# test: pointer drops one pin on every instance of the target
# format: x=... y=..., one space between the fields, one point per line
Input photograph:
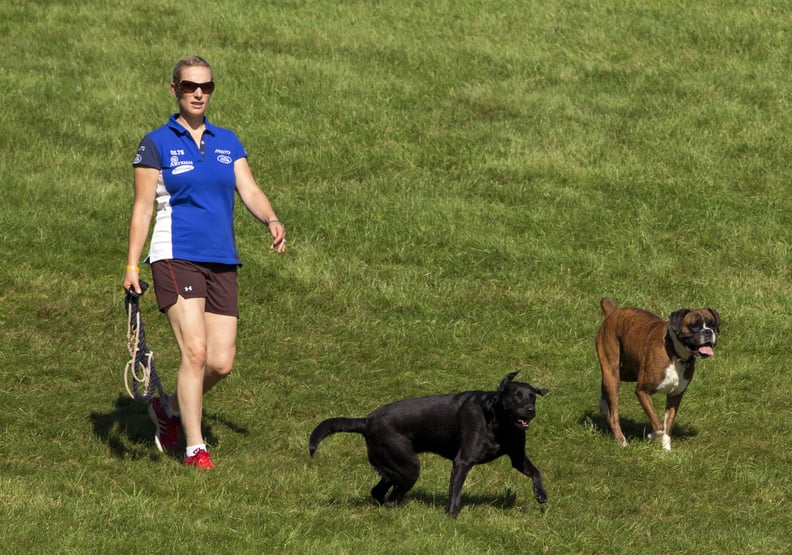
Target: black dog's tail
x=332 y=426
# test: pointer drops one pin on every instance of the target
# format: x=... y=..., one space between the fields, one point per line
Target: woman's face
x=193 y=104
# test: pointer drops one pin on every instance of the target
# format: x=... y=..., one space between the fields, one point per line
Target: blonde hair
x=189 y=61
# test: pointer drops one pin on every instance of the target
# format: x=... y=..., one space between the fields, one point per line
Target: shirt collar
x=179 y=128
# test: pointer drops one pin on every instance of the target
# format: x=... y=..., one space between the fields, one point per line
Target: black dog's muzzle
x=523 y=421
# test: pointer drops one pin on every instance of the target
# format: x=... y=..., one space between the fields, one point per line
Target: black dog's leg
x=379 y=491
x=393 y=457
x=523 y=464
x=404 y=478
x=458 y=474
x=397 y=494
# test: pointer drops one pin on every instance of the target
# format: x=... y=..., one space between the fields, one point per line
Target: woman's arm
x=142 y=209
x=258 y=204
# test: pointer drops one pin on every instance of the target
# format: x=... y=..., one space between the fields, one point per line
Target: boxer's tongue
x=706 y=350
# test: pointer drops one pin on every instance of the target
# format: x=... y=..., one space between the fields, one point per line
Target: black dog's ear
x=507 y=380
x=495 y=397
x=675 y=320
x=541 y=392
x=717 y=318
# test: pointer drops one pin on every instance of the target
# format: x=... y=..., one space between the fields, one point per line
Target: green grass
x=462 y=182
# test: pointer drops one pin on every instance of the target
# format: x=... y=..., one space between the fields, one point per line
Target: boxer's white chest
x=674 y=381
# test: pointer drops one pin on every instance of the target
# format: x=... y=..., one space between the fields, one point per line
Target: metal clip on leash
x=140 y=376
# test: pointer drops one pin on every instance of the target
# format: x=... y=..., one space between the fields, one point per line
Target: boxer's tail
x=607 y=305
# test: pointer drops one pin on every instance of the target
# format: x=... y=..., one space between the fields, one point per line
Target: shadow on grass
x=129 y=432
x=632 y=430
x=506 y=501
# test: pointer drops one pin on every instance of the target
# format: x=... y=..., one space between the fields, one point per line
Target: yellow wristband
x=136 y=268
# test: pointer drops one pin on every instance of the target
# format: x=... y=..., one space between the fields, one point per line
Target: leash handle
x=131 y=294
x=140 y=377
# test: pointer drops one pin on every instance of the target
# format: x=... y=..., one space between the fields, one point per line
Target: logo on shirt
x=223 y=156
x=139 y=156
x=179 y=166
x=182 y=169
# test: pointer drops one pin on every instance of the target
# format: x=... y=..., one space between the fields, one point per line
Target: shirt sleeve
x=148 y=155
x=238 y=149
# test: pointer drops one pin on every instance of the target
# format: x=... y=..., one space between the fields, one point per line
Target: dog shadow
x=632 y=429
x=128 y=431
x=504 y=502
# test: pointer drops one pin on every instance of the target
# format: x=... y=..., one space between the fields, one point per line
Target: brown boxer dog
x=634 y=345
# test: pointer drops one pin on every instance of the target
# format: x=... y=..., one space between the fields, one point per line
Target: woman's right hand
x=132 y=279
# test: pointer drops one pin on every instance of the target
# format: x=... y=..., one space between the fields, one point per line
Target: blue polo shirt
x=195 y=192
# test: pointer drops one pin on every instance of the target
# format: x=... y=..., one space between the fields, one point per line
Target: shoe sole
x=153 y=416
x=199 y=466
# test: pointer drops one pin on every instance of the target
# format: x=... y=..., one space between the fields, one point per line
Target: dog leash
x=140 y=376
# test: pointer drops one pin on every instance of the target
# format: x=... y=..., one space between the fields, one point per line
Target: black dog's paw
x=540 y=495
x=451 y=511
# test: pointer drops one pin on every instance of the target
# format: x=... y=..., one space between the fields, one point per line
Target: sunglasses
x=188 y=87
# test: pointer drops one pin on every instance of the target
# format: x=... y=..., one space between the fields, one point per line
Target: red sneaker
x=166 y=436
x=199 y=460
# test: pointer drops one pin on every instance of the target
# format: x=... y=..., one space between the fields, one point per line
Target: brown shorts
x=217 y=283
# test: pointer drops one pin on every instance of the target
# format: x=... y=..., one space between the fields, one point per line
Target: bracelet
x=136 y=268
x=269 y=223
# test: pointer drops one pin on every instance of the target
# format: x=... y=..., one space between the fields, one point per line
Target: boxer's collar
x=679 y=347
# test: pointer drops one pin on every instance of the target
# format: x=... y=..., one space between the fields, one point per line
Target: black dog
x=469 y=428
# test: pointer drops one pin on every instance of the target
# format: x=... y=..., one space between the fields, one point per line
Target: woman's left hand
x=278 y=232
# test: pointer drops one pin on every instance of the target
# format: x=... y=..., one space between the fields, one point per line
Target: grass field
x=462 y=182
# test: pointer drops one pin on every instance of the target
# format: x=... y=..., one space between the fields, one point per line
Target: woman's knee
x=194 y=354
x=220 y=364
x=220 y=371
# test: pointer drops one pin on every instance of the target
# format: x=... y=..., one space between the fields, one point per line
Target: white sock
x=193 y=449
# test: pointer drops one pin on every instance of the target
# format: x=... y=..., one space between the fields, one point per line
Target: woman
x=191 y=170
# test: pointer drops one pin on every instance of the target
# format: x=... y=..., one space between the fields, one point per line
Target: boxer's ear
x=717 y=318
x=675 y=320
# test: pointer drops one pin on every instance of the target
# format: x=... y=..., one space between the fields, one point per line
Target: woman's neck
x=192 y=124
